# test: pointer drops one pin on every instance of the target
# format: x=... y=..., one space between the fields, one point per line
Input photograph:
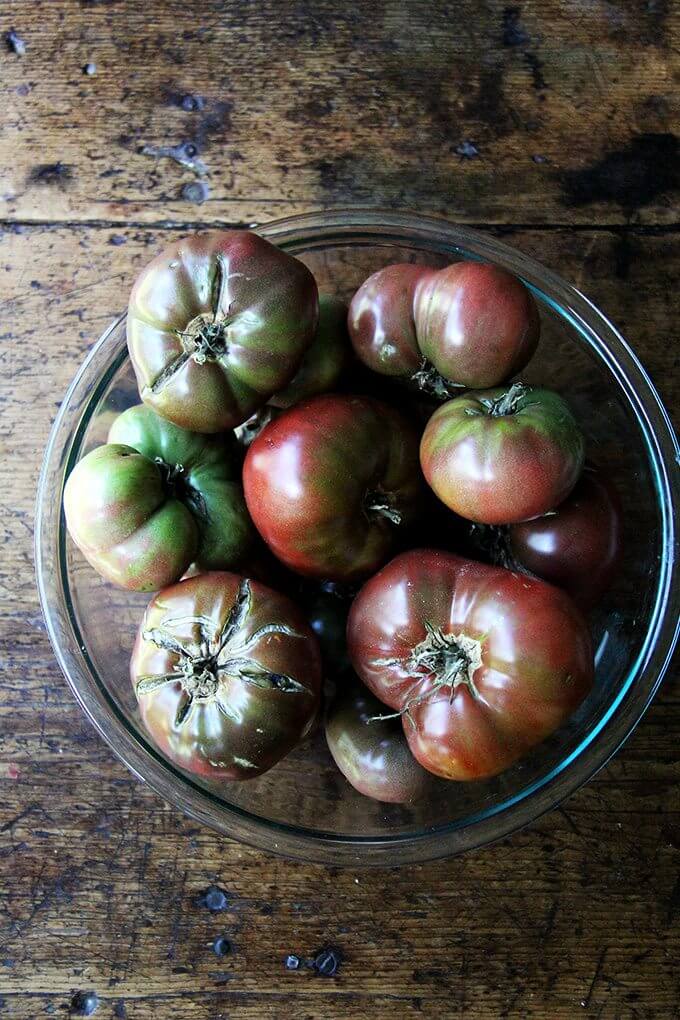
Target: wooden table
x=552 y=124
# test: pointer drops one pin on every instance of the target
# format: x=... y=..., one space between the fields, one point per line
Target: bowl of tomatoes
x=356 y=536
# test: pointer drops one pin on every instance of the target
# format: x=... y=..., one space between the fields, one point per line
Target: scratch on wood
x=570 y=821
x=596 y=977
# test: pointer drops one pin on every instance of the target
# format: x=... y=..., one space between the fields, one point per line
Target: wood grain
x=101 y=884
x=558 y=112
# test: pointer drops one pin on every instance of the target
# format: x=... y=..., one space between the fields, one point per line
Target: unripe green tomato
x=155 y=499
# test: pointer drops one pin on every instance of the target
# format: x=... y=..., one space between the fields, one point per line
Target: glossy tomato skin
x=380 y=321
x=202 y=472
x=325 y=361
x=527 y=659
x=578 y=545
x=332 y=483
x=476 y=323
x=155 y=499
x=119 y=516
x=504 y=455
x=467 y=325
x=372 y=753
x=217 y=323
x=227 y=675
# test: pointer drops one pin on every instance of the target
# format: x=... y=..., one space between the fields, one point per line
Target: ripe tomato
x=155 y=499
x=332 y=483
x=325 y=360
x=227 y=675
x=501 y=456
x=372 y=752
x=217 y=323
x=470 y=324
x=327 y=614
x=481 y=662
x=578 y=545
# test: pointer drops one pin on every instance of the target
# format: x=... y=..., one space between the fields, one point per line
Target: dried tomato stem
x=378 y=504
x=448 y=660
x=507 y=404
x=201 y=663
x=430 y=381
x=205 y=337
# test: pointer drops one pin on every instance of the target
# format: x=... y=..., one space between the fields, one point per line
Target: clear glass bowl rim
x=375 y=227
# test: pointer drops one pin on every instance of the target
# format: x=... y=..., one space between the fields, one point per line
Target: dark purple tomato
x=227 y=674
x=217 y=324
x=470 y=324
x=372 y=752
x=381 y=323
x=327 y=615
x=578 y=545
x=332 y=484
x=501 y=456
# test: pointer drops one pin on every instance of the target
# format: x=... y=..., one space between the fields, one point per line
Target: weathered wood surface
x=101 y=883
x=491 y=113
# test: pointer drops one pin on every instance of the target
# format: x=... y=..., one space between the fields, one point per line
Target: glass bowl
x=304 y=808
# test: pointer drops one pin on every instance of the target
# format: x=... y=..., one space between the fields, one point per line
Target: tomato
x=470 y=324
x=325 y=361
x=504 y=455
x=156 y=498
x=218 y=323
x=332 y=483
x=227 y=674
x=327 y=615
x=371 y=751
x=482 y=663
x=380 y=321
x=578 y=545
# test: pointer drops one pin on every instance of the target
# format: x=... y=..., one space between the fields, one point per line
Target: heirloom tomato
x=155 y=499
x=505 y=455
x=327 y=615
x=481 y=663
x=470 y=324
x=227 y=674
x=332 y=483
x=370 y=751
x=325 y=360
x=217 y=324
x=577 y=546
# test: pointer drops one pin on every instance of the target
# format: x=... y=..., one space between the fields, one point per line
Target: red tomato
x=470 y=324
x=482 y=663
x=578 y=545
x=501 y=456
x=332 y=483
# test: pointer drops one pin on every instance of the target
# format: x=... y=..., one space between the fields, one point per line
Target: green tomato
x=217 y=324
x=155 y=499
x=325 y=361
